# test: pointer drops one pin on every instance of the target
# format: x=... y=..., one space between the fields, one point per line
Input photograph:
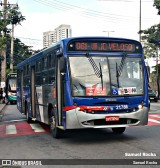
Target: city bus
x=10 y=88
x=85 y=82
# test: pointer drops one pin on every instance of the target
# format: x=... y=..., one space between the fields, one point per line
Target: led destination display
x=103 y=46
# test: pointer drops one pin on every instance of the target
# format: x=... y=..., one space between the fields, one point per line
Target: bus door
x=60 y=87
x=22 y=99
x=33 y=91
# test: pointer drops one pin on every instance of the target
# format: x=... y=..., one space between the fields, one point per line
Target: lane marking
x=37 y=127
x=10 y=121
x=11 y=129
x=23 y=128
x=154 y=115
x=152 y=120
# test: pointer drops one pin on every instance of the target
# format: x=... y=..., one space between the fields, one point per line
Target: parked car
x=152 y=95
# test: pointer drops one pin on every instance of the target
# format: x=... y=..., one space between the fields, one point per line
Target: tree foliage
x=15 y=16
x=12 y=16
x=21 y=51
x=157 y=5
x=152 y=35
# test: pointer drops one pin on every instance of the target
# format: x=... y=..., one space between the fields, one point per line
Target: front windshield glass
x=12 y=84
x=106 y=76
x=126 y=75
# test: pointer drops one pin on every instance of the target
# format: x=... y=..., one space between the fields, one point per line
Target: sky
x=116 y=18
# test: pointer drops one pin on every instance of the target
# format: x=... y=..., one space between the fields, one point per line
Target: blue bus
x=10 y=88
x=85 y=82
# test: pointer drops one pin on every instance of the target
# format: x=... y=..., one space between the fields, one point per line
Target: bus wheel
x=119 y=130
x=56 y=132
x=29 y=120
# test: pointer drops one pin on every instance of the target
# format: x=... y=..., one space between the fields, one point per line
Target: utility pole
x=3 y=63
x=140 y=19
x=12 y=47
x=157 y=59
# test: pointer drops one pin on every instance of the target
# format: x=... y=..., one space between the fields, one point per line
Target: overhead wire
x=89 y=13
x=56 y=4
x=84 y=11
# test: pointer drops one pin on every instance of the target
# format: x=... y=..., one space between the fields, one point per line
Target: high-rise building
x=61 y=32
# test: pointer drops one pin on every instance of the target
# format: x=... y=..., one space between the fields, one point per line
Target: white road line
x=152 y=120
x=154 y=115
x=37 y=128
x=11 y=129
x=13 y=121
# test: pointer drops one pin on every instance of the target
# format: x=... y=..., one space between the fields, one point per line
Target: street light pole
x=3 y=62
x=108 y=32
x=140 y=19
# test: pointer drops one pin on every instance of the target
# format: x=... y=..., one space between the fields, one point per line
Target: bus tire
x=29 y=120
x=118 y=130
x=55 y=131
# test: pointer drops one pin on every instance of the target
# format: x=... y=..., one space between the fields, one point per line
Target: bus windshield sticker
x=95 y=90
x=127 y=90
x=114 y=91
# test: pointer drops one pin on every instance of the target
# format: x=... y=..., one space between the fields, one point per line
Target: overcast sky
x=86 y=17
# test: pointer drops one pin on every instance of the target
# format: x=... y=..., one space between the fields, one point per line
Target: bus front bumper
x=76 y=119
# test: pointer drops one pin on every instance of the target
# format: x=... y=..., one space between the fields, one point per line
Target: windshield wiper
x=117 y=74
x=101 y=75
x=120 y=68
x=98 y=71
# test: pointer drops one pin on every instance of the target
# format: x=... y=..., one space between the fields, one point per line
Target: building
x=61 y=32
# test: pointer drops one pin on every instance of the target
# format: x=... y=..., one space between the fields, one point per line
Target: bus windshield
x=106 y=76
x=12 y=84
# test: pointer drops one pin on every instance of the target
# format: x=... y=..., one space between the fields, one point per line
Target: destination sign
x=103 y=46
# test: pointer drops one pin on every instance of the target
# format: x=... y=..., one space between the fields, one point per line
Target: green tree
x=21 y=52
x=10 y=16
x=152 y=44
x=157 y=5
x=15 y=16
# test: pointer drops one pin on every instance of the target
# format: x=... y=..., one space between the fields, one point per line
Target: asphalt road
x=81 y=144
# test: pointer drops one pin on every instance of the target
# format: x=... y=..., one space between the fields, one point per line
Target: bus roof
x=65 y=41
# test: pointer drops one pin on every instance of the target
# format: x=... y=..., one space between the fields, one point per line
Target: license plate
x=112 y=118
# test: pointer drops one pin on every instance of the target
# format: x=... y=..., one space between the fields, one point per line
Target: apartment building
x=61 y=32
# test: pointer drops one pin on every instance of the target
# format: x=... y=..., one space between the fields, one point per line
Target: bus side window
x=53 y=60
x=38 y=66
x=45 y=77
x=49 y=61
x=38 y=79
x=45 y=63
x=51 y=76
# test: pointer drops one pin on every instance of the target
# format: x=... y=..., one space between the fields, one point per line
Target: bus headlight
x=140 y=106
x=11 y=94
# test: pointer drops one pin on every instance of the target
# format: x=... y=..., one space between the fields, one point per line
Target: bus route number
x=81 y=46
x=121 y=107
